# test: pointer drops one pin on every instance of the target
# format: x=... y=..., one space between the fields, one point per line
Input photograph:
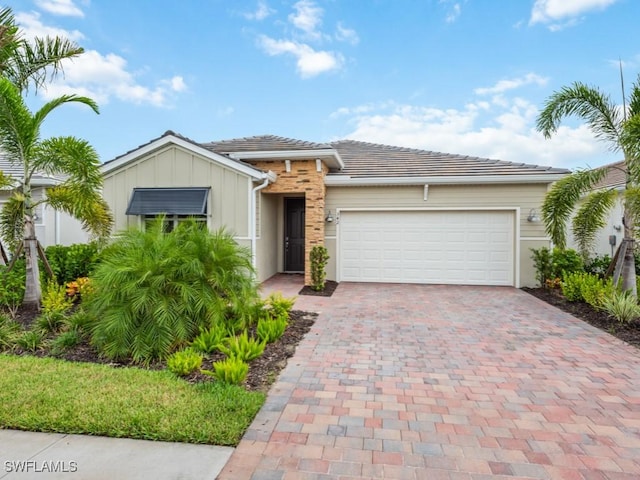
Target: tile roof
x=616 y=176
x=260 y=143
x=363 y=159
x=16 y=171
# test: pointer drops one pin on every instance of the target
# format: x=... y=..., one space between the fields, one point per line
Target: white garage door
x=451 y=247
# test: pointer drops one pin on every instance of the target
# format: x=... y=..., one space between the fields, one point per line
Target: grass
x=50 y=395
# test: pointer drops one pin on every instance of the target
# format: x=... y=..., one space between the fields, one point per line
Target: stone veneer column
x=302 y=179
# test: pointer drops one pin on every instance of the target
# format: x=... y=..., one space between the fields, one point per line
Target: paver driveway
x=445 y=382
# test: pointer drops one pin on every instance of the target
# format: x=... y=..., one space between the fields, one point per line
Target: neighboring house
x=610 y=236
x=386 y=214
x=52 y=226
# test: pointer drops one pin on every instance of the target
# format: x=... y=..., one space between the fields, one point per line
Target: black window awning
x=168 y=201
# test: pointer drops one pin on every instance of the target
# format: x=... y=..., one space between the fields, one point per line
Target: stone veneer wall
x=306 y=180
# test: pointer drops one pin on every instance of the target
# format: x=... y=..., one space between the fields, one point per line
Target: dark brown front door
x=294 y=234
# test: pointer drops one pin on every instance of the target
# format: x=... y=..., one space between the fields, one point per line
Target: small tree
x=73 y=159
x=319 y=257
x=620 y=128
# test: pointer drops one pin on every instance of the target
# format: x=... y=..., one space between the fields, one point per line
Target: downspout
x=57 y=226
x=254 y=233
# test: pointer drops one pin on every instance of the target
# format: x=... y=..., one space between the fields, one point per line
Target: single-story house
x=385 y=214
x=53 y=227
x=610 y=236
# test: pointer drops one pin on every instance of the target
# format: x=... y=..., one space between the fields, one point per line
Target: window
x=176 y=204
x=171 y=221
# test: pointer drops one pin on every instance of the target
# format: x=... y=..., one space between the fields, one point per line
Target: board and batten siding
x=176 y=167
x=500 y=196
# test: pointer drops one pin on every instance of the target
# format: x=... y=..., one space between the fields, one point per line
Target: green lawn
x=50 y=395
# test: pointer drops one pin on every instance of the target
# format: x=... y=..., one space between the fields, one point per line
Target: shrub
x=622 y=306
x=31 y=340
x=73 y=261
x=78 y=287
x=209 y=340
x=319 y=257
x=12 y=287
x=552 y=264
x=242 y=347
x=184 y=362
x=276 y=306
x=572 y=286
x=231 y=371
x=153 y=291
x=595 y=290
x=598 y=265
x=54 y=299
x=271 y=330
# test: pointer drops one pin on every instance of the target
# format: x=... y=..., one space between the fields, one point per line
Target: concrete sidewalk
x=29 y=455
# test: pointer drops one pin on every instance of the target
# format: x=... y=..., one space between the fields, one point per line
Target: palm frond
x=561 y=199
x=18 y=134
x=634 y=99
x=6 y=181
x=587 y=103
x=12 y=220
x=591 y=217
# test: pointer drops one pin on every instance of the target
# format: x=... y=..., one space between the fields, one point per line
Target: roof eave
x=171 y=139
x=330 y=156
x=348 y=181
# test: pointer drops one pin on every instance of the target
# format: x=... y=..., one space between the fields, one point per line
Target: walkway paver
x=445 y=382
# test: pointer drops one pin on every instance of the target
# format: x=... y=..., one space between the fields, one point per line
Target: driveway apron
x=445 y=382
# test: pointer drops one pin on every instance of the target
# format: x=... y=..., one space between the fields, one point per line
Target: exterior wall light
x=533 y=216
x=329 y=217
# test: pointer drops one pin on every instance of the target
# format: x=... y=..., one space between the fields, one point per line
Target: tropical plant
x=78 y=194
x=25 y=61
x=552 y=264
x=65 y=341
x=231 y=370
x=154 y=291
x=9 y=331
x=270 y=330
x=620 y=129
x=243 y=347
x=209 y=340
x=184 y=362
x=622 y=306
x=31 y=340
x=12 y=287
x=70 y=262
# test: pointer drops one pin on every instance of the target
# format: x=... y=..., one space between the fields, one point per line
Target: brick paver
x=445 y=382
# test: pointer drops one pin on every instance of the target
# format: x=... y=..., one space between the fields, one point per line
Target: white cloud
x=504 y=131
x=261 y=12
x=453 y=15
x=309 y=62
x=226 y=111
x=32 y=27
x=344 y=34
x=510 y=84
x=559 y=14
x=103 y=77
x=307 y=17
x=60 y=7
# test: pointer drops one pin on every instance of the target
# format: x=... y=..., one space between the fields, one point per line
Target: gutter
x=348 y=181
x=269 y=177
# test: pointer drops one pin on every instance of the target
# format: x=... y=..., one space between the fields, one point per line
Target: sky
x=457 y=76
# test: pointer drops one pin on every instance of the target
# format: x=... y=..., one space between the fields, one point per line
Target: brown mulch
x=329 y=287
x=629 y=332
x=262 y=371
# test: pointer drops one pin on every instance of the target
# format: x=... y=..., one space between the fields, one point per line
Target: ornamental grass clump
x=153 y=291
x=622 y=306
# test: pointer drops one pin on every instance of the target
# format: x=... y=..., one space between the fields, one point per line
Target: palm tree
x=72 y=160
x=23 y=61
x=620 y=129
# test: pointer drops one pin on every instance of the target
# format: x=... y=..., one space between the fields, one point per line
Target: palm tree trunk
x=33 y=291
x=629 y=262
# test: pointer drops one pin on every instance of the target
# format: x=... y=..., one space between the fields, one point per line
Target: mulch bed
x=263 y=371
x=629 y=332
x=329 y=287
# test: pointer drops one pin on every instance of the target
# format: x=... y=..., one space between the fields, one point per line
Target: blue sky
x=457 y=76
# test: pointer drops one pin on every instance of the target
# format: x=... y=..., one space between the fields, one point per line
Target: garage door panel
x=454 y=247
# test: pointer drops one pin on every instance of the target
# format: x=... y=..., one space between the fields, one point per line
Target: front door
x=294 y=234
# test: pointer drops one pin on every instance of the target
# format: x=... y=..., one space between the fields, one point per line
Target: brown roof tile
x=259 y=143
x=373 y=160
